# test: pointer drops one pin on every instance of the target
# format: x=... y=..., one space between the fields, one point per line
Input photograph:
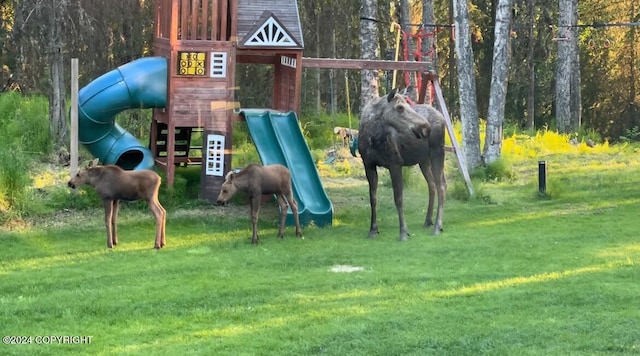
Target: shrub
x=498 y=170
x=630 y=135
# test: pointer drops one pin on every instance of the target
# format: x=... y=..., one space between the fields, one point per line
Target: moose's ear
x=93 y=163
x=229 y=176
x=392 y=94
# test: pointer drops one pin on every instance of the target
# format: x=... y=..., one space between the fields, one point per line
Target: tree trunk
x=317 y=71
x=563 y=70
x=332 y=75
x=18 y=38
x=58 y=122
x=429 y=46
x=369 y=50
x=576 y=97
x=405 y=24
x=633 y=109
x=498 y=90
x=531 y=95
x=452 y=62
x=467 y=86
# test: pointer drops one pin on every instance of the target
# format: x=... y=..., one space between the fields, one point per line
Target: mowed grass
x=514 y=273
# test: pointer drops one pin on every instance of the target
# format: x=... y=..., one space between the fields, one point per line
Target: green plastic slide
x=278 y=139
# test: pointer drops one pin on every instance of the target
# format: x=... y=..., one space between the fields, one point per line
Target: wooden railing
x=200 y=20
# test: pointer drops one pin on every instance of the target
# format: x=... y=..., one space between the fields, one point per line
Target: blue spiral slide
x=143 y=84
x=138 y=84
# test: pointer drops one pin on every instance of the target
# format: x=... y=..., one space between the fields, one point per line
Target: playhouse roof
x=269 y=23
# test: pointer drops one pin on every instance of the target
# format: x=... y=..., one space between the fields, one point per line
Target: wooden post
x=74 y=117
x=462 y=165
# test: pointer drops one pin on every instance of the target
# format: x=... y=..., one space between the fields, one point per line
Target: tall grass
x=24 y=122
x=14 y=182
x=24 y=137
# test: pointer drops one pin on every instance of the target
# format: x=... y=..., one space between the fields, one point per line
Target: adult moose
x=113 y=184
x=256 y=180
x=393 y=135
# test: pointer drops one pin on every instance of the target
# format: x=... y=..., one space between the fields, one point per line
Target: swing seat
x=354 y=147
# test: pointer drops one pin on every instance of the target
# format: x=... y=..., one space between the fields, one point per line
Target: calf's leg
x=294 y=211
x=108 y=220
x=283 y=214
x=114 y=233
x=160 y=215
x=255 y=210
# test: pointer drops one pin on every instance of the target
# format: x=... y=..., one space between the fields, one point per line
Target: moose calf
x=113 y=184
x=256 y=180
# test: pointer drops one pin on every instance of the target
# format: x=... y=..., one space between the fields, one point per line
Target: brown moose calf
x=113 y=184
x=256 y=180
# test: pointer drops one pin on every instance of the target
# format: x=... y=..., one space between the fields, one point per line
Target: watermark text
x=45 y=339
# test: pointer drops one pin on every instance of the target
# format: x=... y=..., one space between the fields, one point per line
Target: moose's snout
x=71 y=185
x=221 y=202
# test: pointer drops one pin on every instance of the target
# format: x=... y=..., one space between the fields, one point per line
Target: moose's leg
x=425 y=168
x=294 y=211
x=283 y=213
x=255 y=210
x=108 y=222
x=163 y=237
x=396 y=181
x=372 y=177
x=440 y=182
x=114 y=219
x=160 y=215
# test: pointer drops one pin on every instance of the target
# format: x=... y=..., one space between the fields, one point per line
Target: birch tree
x=466 y=85
x=429 y=45
x=369 y=50
x=575 y=102
x=531 y=90
x=58 y=121
x=563 y=69
x=498 y=89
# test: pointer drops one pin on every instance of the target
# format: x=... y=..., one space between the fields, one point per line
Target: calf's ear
x=229 y=176
x=93 y=163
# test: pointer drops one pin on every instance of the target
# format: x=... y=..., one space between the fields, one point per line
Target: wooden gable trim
x=269 y=18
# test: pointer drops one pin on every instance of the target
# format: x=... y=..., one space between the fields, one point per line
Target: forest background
x=104 y=35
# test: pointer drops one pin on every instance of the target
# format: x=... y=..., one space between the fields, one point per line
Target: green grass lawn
x=513 y=273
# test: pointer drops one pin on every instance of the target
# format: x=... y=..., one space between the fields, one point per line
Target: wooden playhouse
x=202 y=41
